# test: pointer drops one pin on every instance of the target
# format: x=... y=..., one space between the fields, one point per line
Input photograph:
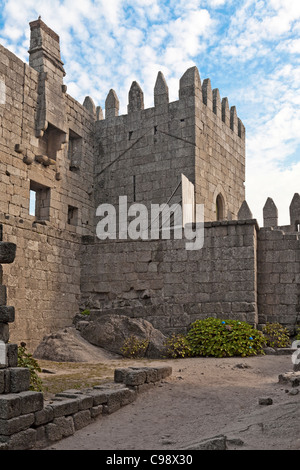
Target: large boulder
x=67 y=345
x=110 y=331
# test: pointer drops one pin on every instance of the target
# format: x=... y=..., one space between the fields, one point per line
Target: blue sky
x=250 y=50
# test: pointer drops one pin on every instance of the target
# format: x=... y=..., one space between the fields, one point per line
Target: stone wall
x=170 y=286
x=30 y=422
x=278 y=277
x=44 y=281
x=46 y=152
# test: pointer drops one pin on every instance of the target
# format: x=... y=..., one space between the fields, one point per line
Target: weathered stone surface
x=296 y=367
x=110 y=332
x=244 y=212
x=266 y=401
x=31 y=401
x=161 y=90
x=290 y=378
x=270 y=213
x=65 y=426
x=82 y=419
x=295 y=211
x=96 y=411
x=137 y=377
x=17 y=379
x=12 y=355
x=15 y=425
x=22 y=440
x=4 y=332
x=44 y=416
x=67 y=345
x=10 y=406
x=7 y=314
x=135 y=98
x=64 y=407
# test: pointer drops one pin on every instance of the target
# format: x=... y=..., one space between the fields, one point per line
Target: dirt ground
x=204 y=397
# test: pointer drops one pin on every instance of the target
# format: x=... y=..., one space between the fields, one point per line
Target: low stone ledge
x=133 y=376
x=64 y=406
x=28 y=422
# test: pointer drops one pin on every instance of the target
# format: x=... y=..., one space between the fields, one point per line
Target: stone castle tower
x=60 y=159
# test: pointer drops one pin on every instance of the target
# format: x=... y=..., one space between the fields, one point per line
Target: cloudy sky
x=250 y=49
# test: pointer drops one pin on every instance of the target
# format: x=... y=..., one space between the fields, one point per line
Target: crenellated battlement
x=270 y=214
x=190 y=86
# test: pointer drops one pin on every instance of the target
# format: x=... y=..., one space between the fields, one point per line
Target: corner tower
x=143 y=154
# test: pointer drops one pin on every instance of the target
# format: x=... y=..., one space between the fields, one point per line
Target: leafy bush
x=297 y=337
x=177 y=346
x=220 y=338
x=133 y=347
x=27 y=360
x=85 y=312
x=276 y=335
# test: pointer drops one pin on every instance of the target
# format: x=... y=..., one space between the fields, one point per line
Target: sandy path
x=203 y=398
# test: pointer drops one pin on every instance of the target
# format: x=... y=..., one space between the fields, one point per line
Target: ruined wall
x=170 y=286
x=53 y=160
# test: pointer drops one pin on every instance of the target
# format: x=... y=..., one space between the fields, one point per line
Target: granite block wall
x=278 y=266
x=170 y=286
x=46 y=186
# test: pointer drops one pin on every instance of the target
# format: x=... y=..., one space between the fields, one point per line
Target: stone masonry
x=27 y=420
x=59 y=160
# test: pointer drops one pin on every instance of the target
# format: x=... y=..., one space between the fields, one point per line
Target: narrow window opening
x=130 y=135
x=72 y=215
x=220 y=207
x=155 y=130
x=74 y=150
x=181 y=120
x=32 y=203
x=39 y=201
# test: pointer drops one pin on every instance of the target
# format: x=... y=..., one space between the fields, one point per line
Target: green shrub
x=27 y=360
x=85 y=312
x=177 y=346
x=133 y=347
x=276 y=335
x=224 y=338
x=297 y=337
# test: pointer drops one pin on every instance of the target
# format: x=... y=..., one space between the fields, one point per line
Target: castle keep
x=59 y=160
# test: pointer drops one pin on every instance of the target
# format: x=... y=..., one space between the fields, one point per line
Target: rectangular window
x=39 y=205
x=74 y=150
x=72 y=215
x=32 y=202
